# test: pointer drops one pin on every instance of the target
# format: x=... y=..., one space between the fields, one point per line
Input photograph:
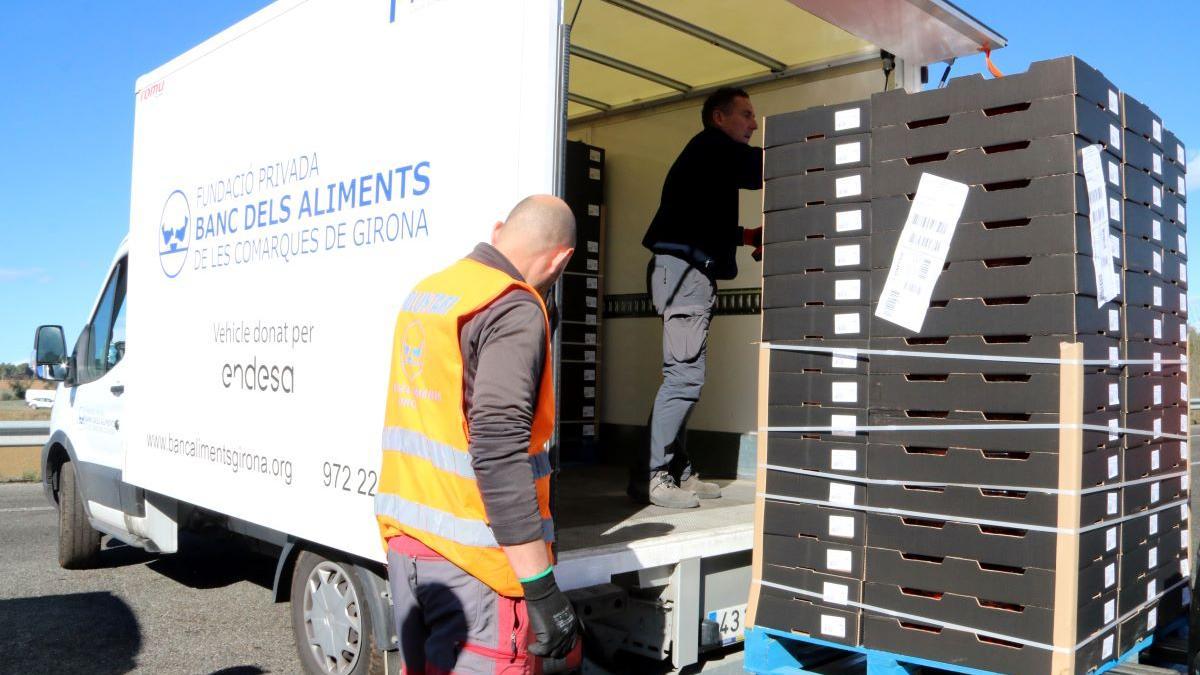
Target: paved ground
x=207 y=609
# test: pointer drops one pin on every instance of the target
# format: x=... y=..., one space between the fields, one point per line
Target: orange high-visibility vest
x=427 y=487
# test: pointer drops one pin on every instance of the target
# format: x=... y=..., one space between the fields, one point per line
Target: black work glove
x=551 y=618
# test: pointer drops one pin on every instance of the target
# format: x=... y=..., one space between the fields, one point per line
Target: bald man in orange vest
x=463 y=503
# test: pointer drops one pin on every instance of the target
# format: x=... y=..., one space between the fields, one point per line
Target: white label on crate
x=1183 y=539
x=1151 y=590
x=1156 y=130
x=1114 y=137
x=1111 y=503
x=1157 y=362
x=1156 y=261
x=1153 y=523
x=589 y=411
x=1114 y=357
x=1113 y=434
x=1157 y=293
x=850 y=118
x=1158 y=329
x=593 y=264
x=589 y=430
x=1181 y=186
x=848 y=186
x=593 y=247
x=590 y=356
x=1152 y=618
x=1183 y=423
x=1106 y=649
x=1180 y=156
x=1181 y=216
x=592 y=283
x=1155 y=492
x=1157 y=163
x=589 y=392
x=1114 y=245
x=1183 y=391
x=1182 y=244
x=589 y=375
x=1157 y=394
x=1183 y=338
x=594 y=155
x=590 y=319
x=843 y=460
x=1152 y=558
x=1183 y=569
x=1114 y=173
x=833 y=625
x=843 y=425
x=1155 y=462
x=844 y=358
x=846 y=323
x=1183 y=272
x=848 y=221
x=847 y=289
x=845 y=392
x=1099 y=212
x=848 y=254
x=921 y=251
x=1114 y=320
x=1110 y=611
x=1110 y=539
x=835 y=594
x=1183 y=446
x=1157 y=427
x=1182 y=301
x=594 y=173
x=1183 y=512
x=1114 y=210
x=590 y=301
x=841 y=494
x=1114 y=394
x=847 y=153
x=593 y=209
x=841 y=526
x=1110 y=574
x=1156 y=229
x=838 y=561
x=1114 y=102
x=589 y=338
x=1114 y=467
x=1156 y=195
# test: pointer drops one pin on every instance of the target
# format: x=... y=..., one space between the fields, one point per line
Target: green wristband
x=539 y=575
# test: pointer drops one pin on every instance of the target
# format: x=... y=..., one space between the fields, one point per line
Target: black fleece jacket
x=503 y=351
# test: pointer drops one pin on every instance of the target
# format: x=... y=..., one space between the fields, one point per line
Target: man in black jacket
x=694 y=237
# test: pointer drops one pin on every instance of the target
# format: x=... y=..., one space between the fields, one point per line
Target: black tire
x=78 y=541
x=339 y=575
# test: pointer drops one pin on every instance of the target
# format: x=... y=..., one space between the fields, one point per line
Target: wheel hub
x=331 y=618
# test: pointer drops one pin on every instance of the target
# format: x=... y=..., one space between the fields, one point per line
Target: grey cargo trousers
x=684 y=297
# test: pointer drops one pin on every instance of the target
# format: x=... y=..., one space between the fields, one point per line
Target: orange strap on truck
x=987 y=56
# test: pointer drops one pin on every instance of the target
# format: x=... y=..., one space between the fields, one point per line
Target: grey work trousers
x=684 y=297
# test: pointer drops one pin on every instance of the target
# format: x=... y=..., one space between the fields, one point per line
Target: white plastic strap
x=1019 y=426
x=1010 y=488
x=968 y=520
x=852 y=352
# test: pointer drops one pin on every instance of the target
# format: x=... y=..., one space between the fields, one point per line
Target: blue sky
x=66 y=121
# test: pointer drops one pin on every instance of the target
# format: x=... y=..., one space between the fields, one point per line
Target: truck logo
x=174 y=234
x=414 y=350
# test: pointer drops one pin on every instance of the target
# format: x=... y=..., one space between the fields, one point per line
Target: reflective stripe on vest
x=446 y=525
x=446 y=458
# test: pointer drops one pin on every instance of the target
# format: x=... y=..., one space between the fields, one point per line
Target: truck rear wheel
x=78 y=541
x=331 y=620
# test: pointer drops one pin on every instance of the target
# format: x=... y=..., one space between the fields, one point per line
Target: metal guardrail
x=20 y=434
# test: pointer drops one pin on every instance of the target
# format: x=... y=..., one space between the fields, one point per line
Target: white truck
x=294 y=175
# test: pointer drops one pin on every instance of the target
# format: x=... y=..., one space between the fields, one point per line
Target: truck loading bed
x=601 y=532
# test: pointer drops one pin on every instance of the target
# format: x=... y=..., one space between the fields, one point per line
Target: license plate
x=731 y=622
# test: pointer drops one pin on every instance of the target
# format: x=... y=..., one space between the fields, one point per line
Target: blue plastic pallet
x=772 y=652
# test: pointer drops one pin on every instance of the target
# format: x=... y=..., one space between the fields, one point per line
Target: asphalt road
x=206 y=610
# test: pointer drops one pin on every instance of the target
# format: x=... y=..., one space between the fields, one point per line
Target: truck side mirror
x=50 y=353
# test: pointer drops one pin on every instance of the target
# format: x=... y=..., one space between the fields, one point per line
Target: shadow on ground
x=95 y=633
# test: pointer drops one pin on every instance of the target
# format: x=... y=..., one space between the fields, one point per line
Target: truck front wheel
x=331 y=620
x=78 y=542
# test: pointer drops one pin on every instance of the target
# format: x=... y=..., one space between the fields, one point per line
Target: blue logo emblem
x=174 y=234
x=414 y=350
